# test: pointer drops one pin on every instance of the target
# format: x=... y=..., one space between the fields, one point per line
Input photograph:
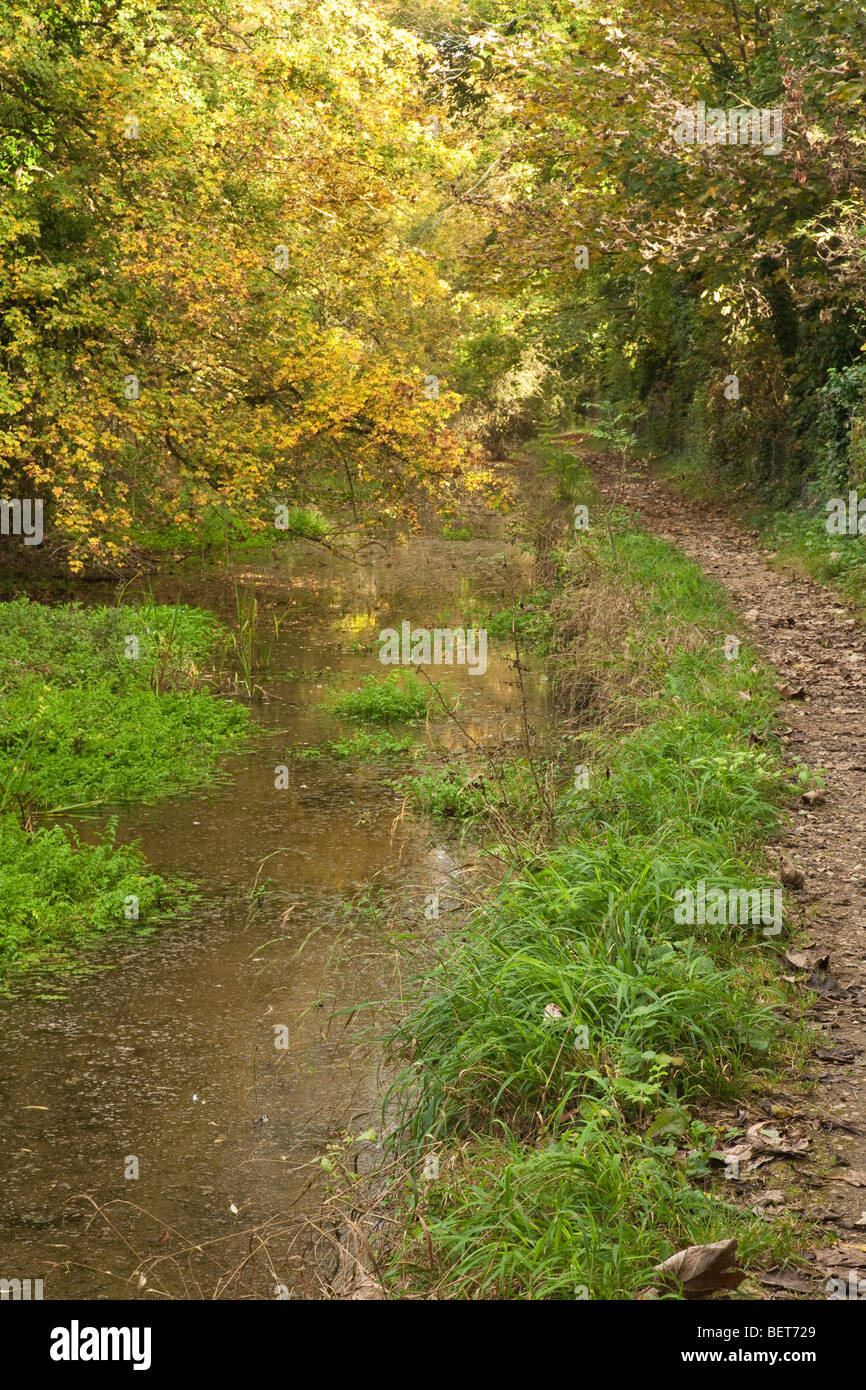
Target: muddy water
x=167 y=1053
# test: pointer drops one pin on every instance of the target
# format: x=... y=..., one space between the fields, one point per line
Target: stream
x=164 y=1049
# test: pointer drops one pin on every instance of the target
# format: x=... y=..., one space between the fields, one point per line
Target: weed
x=397 y=698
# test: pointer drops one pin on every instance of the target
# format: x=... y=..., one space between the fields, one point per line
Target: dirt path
x=811 y=638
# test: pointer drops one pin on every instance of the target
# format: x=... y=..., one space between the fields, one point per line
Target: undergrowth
x=98 y=706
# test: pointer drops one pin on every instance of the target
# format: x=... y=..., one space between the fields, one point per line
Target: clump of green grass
x=306 y=752
x=495 y=791
x=457 y=533
x=401 y=697
x=365 y=745
x=801 y=539
x=368 y=745
x=306 y=523
x=446 y=792
x=529 y=617
x=97 y=706
x=591 y=933
x=85 y=723
x=57 y=894
x=585 y=1216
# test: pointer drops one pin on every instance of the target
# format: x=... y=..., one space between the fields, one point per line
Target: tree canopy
x=325 y=251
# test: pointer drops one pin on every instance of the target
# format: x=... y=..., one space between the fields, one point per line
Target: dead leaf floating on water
x=701 y=1268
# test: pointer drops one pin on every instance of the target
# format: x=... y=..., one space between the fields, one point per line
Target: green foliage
x=447 y=793
x=219 y=204
x=586 y=1215
x=529 y=617
x=457 y=533
x=70 y=645
x=368 y=745
x=400 y=697
x=58 y=894
x=84 y=724
x=88 y=746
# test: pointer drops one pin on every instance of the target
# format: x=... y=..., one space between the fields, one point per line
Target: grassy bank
x=796 y=534
x=97 y=706
x=568 y=1065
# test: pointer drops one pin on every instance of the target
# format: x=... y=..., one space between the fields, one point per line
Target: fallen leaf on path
x=765 y=1137
x=787 y=1279
x=791 y=876
x=844 y=1125
x=773 y=1197
x=841 y=1257
x=791 y=692
x=811 y=958
x=814 y=798
x=742 y=1159
x=702 y=1268
x=855 y=1176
